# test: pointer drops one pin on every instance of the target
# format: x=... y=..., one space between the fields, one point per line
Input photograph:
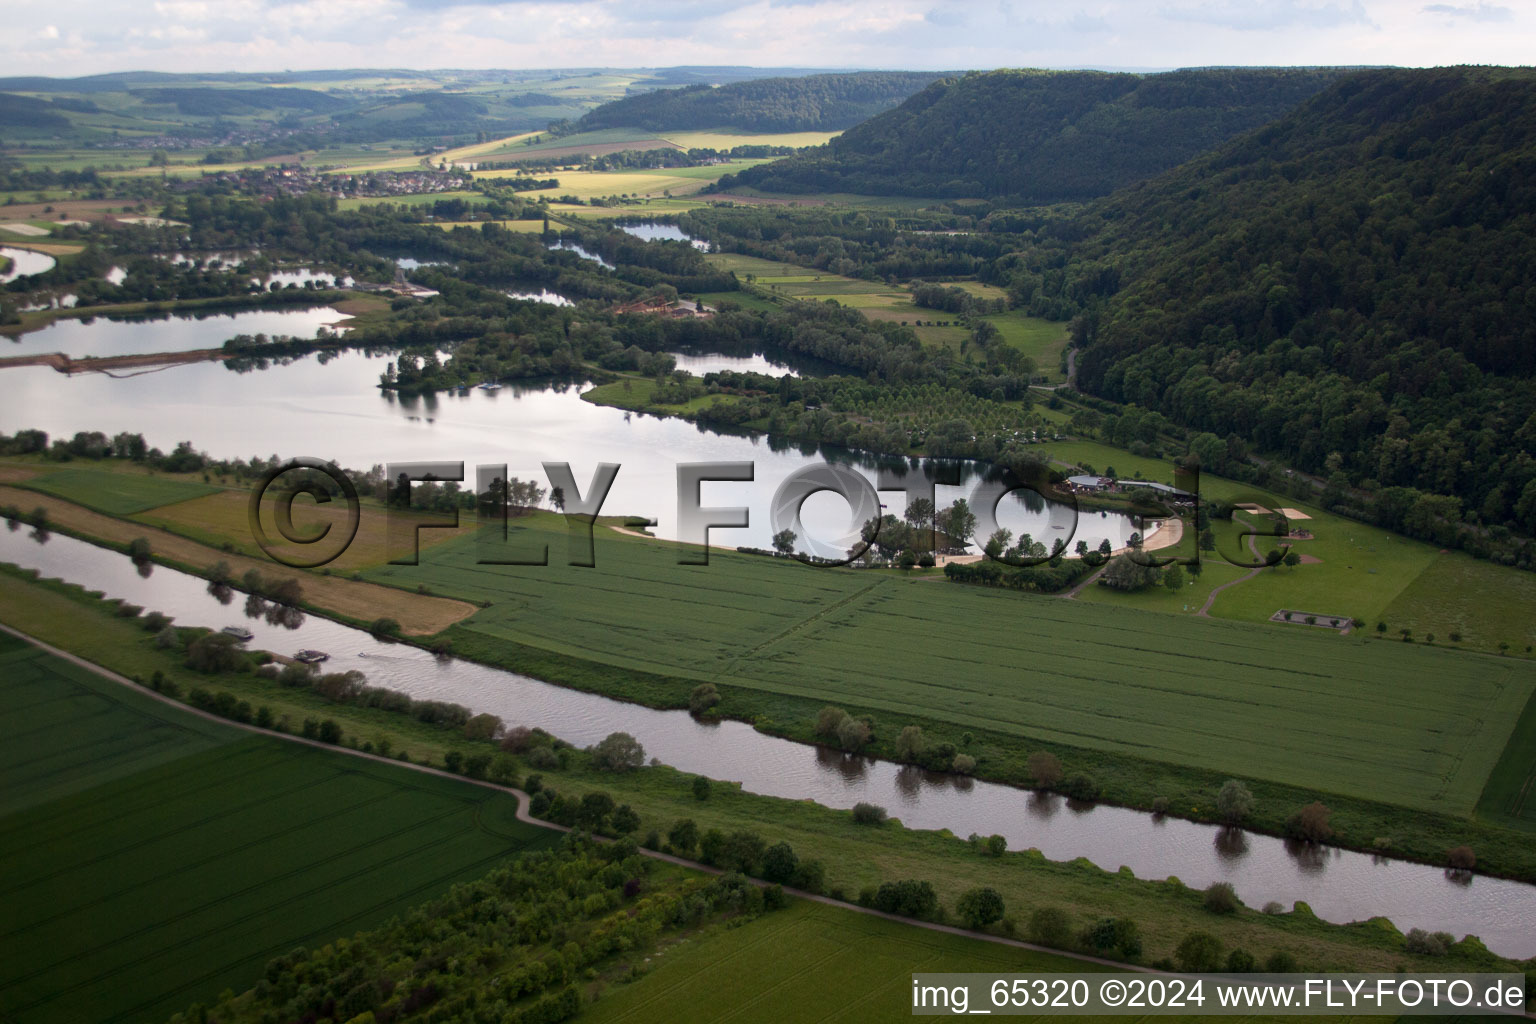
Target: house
x=1090 y=484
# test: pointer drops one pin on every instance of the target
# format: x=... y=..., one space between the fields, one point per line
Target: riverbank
x=854 y=856
x=1186 y=792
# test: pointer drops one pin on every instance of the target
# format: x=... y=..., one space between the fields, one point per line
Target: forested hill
x=1042 y=136
x=1352 y=288
x=810 y=103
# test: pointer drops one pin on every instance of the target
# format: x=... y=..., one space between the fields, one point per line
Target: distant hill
x=803 y=103
x=1352 y=288
x=1042 y=136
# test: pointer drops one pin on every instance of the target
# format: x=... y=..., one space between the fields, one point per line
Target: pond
x=1339 y=886
x=583 y=253
x=700 y=363
x=654 y=232
x=103 y=336
x=24 y=262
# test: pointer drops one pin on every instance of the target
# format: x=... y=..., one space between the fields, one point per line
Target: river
x=1338 y=885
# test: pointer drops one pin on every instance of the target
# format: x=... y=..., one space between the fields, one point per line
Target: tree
x=911 y=743
x=503 y=770
x=741 y=851
x=1050 y=926
x=683 y=836
x=1199 y=951
x=784 y=542
x=618 y=752
x=1044 y=768
x=828 y=721
x=1291 y=559
x=594 y=807
x=1173 y=578
x=213 y=653
x=1123 y=573
x=959 y=522
x=624 y=820
x=1462 y=858
x=139 y=552
x=703 y=699
x=853 y=733
x=700 y=788
x=1234 y=802
x=979 y=907
x=780 y=863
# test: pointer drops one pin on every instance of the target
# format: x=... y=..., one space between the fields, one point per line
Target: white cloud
x=215 y=35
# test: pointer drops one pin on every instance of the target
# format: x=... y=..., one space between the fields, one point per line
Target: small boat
x=239 y=633
x=490 y=385
x=311 y=657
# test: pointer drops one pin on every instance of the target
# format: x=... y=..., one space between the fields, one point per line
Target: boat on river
x=239 y=633
x=308 y=657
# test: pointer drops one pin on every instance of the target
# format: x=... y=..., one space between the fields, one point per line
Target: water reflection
x=1231 y=843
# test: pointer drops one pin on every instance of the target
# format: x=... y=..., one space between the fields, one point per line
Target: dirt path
x=1210 y=599
x=527 y=818
x=1071 y=595
x=418 y=614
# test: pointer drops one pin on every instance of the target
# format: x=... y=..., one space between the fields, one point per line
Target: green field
x=818 y=964
x=1510 y=796
x=153 y=859
x=807 y=963
x=1395 y=723
x=116 y=494
x=1455 y=593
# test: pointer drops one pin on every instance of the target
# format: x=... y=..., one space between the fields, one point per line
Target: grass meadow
x=1281 y=705
x=117 y=494
x=813 y=963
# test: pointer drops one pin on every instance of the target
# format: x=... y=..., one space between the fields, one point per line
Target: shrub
x=1081 y=787
x=700 y=788
x=1160 y=805
x=329 y=731
x=1199 y=951
x=517 y=739
x=454 y=761
x=154 y=622
x=1428 y=943
x=618 y=752
x=1044 y=768
x=384 y=626
x=476 y=765
x=1281 y=962
x=1462 y=858
x=963 y=764
x=167 y=638
x=1310 y=823
x=703 y=699
x=1234 y=802
x=979 y=907
x=909 y=898
x=1050 y=926
x=828 y=721
x=1240 y=961
x=868 y=814
x=543 y=758
x=1221 y=898
x=482 y=727
x=1274 y=907
x=996 y=845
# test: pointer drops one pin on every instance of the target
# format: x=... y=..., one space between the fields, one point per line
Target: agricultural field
x=641 y=183
x=1452 y=595
x=814 y=963
x=154 y=859
x=808 y=963
x=1510 y=796
x=117 y=494
x=1259 y=701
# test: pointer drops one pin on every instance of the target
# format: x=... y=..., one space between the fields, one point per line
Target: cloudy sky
x=66 y=38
